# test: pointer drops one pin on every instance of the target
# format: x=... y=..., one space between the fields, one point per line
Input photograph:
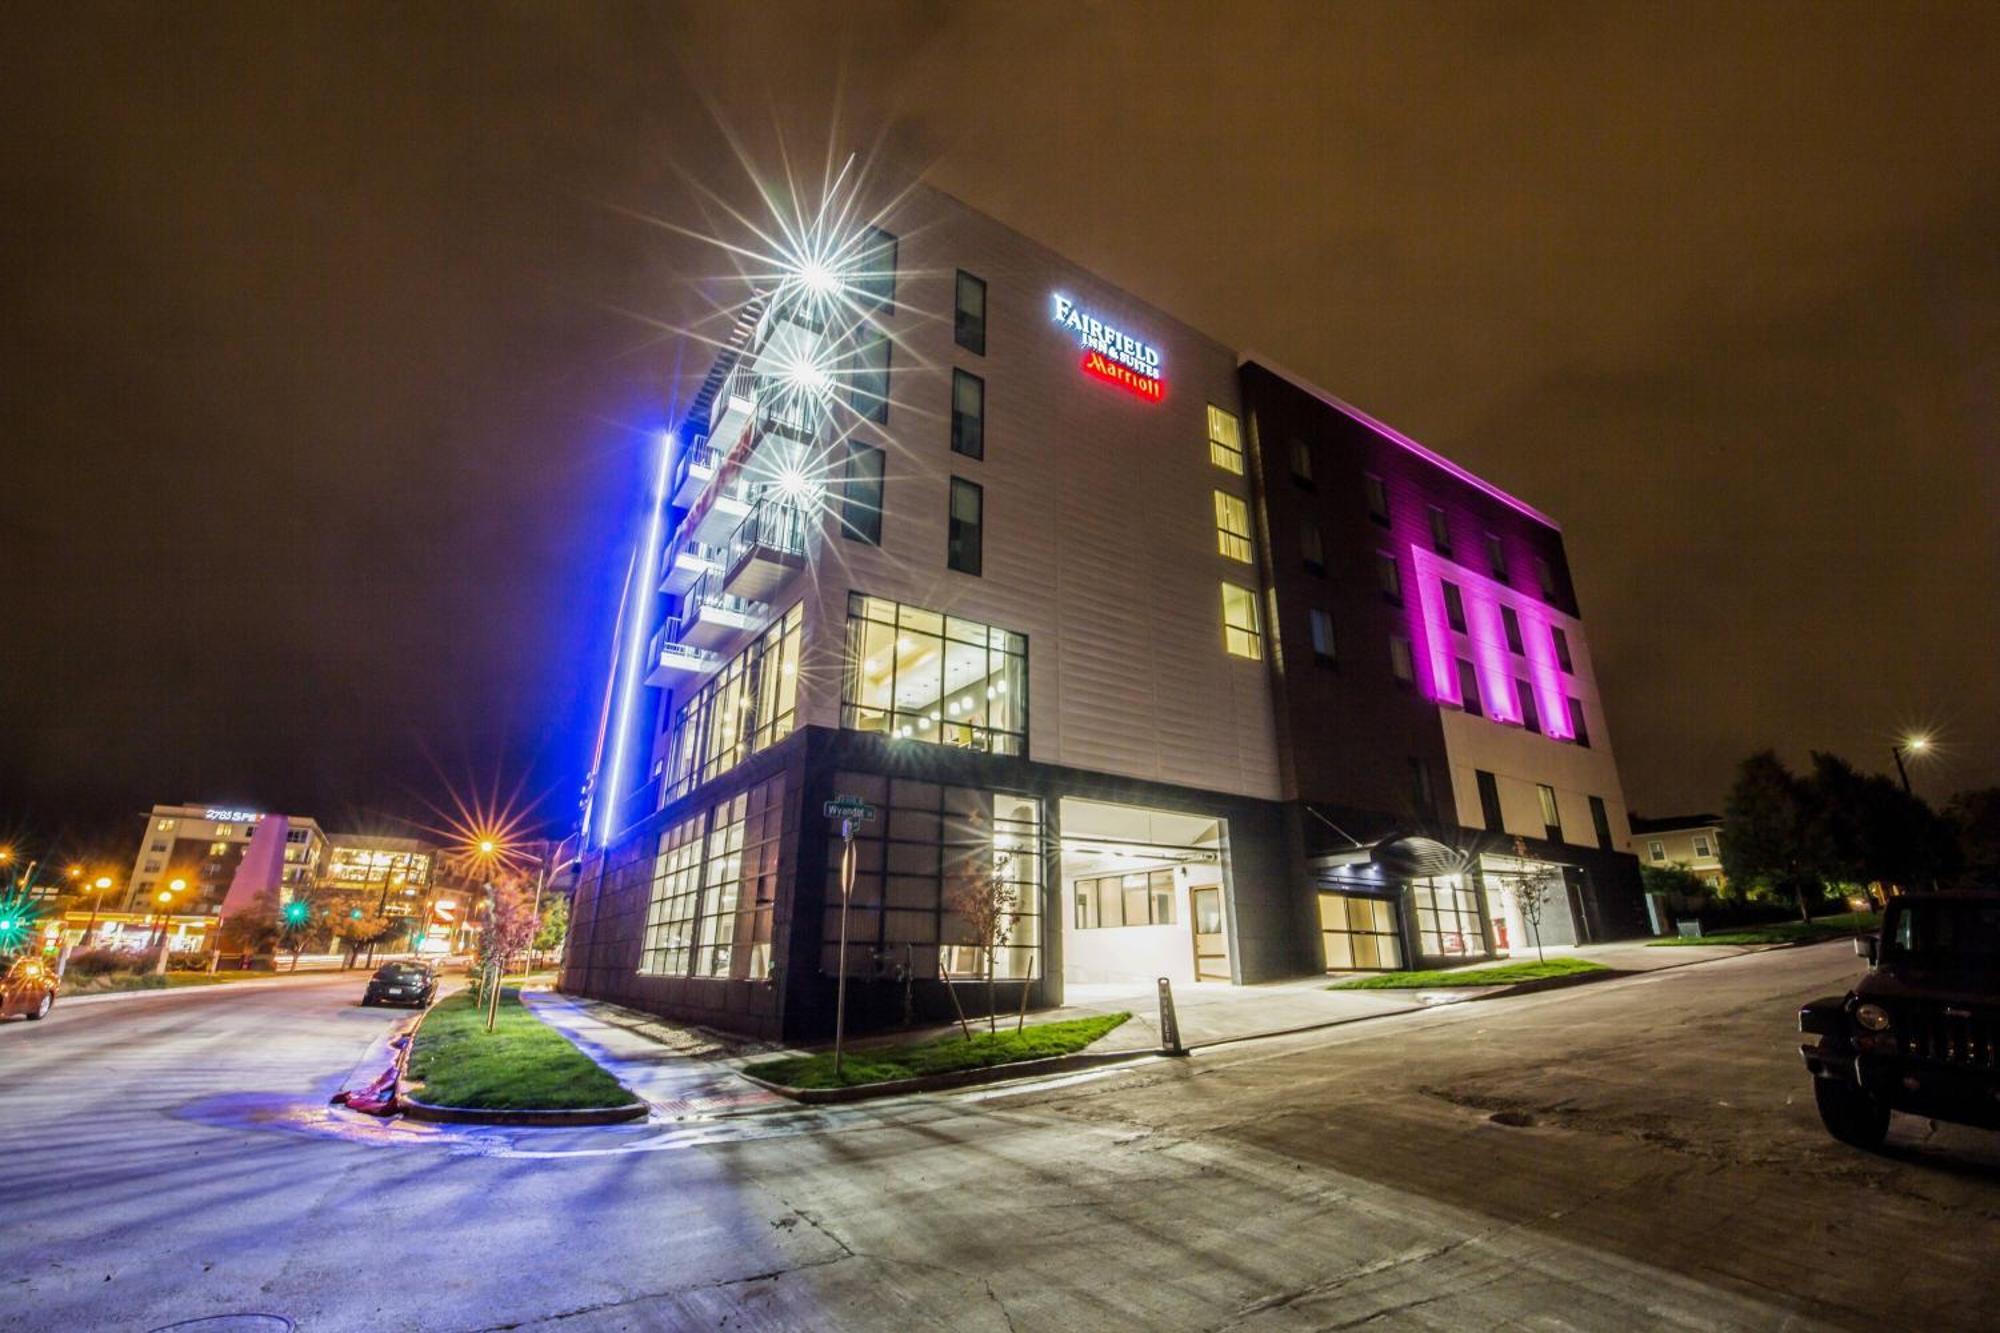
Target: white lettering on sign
x=232 y=816
x=1111 y=354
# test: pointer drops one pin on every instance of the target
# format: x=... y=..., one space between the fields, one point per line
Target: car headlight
x=1872 y=1016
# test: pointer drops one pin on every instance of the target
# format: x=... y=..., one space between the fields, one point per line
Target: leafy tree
x=1531 y=891
x=989 y=906
x=255 y=928
x=1769 y=842
x=1870 y=831
x=1674 y=879
x=364 y=932
x=510 y=925
x=555 y=924
x=1975 y=816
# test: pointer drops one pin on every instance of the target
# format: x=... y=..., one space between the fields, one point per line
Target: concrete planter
x=963 y=1078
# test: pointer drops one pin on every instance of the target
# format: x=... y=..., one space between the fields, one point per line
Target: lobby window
x=1454 y=606
x=1240 y=634
x=1496 y=556
x=1562 y=649
x=1448 y=920
x=1656 y=851
x=1302 y=462
x=1359 y=934
x=715 y=883
x=1143 y=898
x=1324 y=649
x=1531 y=716
x=1545 y=578
x=747 y=706
x=966 y=543
x=875 y=278
x=1402 y=665
x=1440 y=531
x=927 y=841
x=1312 y=547
x=1600 y=821
x=1225 y=440
x=861 y=494
x=868 y=382
x=1579 y=729
x=968 y=323
x=1378 y=498
x=1702 y=847
x=1552 y=823
x=968 y=414
x=1421 y=789
x=1232 y=527
x=1468 y=689
x=1511 y=624
x=1489 y=801
x=1389 y=576
x=919 y=675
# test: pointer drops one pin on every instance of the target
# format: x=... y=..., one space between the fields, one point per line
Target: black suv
x=1921 y=1032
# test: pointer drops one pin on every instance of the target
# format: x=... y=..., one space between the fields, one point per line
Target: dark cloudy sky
x=327 y=361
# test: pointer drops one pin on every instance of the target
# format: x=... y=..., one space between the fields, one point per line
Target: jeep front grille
x=1948 y=1034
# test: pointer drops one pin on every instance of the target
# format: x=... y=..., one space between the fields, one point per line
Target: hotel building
x=203 y=845
x=1227 y=681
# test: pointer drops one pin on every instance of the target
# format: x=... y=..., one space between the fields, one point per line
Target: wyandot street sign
x=849 y=807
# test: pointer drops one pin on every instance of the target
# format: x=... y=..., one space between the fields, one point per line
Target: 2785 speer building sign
x=1110 y=354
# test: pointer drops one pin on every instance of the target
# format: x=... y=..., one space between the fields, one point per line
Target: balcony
x=733 y=406
x=767 y=548
x=787 y=337
x=693 y=470
x=711 y=616
x=687 y=560
x=670 y=663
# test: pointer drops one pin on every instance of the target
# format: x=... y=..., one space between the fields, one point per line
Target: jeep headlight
x=1872 y=1016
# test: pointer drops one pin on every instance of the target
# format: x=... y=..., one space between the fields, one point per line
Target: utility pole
x=849 y=810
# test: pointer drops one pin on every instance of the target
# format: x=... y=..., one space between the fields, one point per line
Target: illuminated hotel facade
x=1088 y=604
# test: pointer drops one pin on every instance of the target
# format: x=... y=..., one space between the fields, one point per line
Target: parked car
x=1920 y=1033
x=401 y=983
x=27 y=987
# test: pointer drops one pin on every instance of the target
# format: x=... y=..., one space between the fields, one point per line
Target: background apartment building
x=203 y=845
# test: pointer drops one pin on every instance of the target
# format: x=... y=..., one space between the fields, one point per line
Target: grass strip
x=1782 y=932
x=522 y=1065
x=949 y=1055
x=129 y=981
x=1505 y=974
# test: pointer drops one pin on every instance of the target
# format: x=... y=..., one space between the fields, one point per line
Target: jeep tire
x=1850 y=1114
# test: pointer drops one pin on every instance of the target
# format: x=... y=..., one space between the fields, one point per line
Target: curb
x=962 y=1078
x=465 y=1115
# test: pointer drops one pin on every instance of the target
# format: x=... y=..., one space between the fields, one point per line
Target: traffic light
x=296 y=913
x=354 y=915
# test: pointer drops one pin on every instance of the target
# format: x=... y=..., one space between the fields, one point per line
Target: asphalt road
x=1636 y=1154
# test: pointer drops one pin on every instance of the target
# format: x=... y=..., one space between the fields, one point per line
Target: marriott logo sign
x=1110 y=354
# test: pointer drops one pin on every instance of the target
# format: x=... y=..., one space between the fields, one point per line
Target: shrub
x=101 y=962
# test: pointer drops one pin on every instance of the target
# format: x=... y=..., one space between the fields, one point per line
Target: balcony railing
x=692 y=470
x=773 y=525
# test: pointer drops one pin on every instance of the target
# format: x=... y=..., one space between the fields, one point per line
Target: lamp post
x=1910 y=745
x=100 y=884
x=166 y=898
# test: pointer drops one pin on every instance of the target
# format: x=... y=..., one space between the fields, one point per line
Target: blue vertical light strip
x=636 y=641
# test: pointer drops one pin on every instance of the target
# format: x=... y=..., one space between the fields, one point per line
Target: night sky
x=332 y=347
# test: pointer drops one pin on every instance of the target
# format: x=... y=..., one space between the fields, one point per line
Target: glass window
x=1454 y=606
x=868 y=380
x=1359 y=934
x=930 y=842
x=965 y=545
x=1421 y=790
x=1600 y=820
x=1401 y=664
x=1312 y=546
x=715 y=883
x=1531 y=716
x=747 y=706
x=1545 y=577
x=1232 y=527
x=1656 y=850
x=916 y=675
x=1449 y=923
x=1701 y=845
x=1489 y=801
x=1440 y=531
x=861 y=494
x=1322 y=635
x=1551 y=815
x=1496 y=556
x=1511 y=623
x=1468 y=689
x=1225 y=440
x=1389 y=575
x=1562 y=648
x=968 y=325
x=1579 y=729
x=1240 y=634
x=1378 y=498
x=1302 y=462
x=875 y=275
x=968 y=414
x=1141 y=898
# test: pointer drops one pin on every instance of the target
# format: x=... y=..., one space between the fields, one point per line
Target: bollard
x=1170 y=1028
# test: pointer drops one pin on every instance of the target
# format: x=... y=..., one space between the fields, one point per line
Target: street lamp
x=1914 y=746
x=100 y=884
x=165 y=899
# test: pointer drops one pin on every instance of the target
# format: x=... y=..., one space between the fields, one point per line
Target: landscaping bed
x=522 y=1065
x=1783 y=932
x=114 y=982
x=949 y=1055
x=1502 y=974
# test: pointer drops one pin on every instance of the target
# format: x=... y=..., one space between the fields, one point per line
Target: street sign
x=849 y=807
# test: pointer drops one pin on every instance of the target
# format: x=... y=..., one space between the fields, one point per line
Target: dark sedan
x=401 y=983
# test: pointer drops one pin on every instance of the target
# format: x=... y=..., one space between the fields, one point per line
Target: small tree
x=1531 y=890
x=511 y=925
x=255 y=928
x=364 y=932
x=990 y=906
x=555 y=924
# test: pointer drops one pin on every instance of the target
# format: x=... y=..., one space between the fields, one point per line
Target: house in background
x=1690 y=841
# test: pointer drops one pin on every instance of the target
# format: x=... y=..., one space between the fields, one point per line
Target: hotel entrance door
x=1211 y=935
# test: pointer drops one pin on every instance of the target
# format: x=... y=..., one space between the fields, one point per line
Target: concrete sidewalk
x=682 y=1073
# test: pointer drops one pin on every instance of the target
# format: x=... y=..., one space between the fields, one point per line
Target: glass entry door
x=1211 y=937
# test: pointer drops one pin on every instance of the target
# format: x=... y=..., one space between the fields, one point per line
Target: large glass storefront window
x=749 y=705
x=1359 y=934
x=1449 y=924
x=919 y=675
x=715 y=879
x=927 y=842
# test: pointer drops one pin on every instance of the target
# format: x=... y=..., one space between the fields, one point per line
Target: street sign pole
x=846 y=896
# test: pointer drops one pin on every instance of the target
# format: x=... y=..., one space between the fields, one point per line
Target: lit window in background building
x=1240 y=634
x=1225 y=440
x=919 y=675
x=749 y=705
x=1232 y=526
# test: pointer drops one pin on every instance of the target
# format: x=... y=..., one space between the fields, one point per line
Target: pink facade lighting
x=1484 y=643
